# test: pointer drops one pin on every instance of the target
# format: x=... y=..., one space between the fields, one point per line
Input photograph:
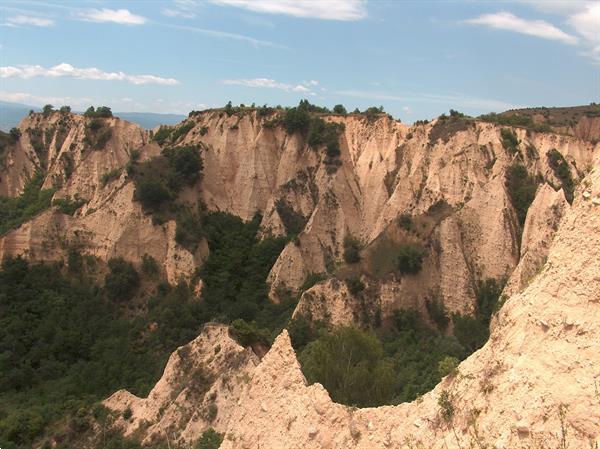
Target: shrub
x=373 y=113
x=410 y=258
x=101 y=112
x=472 y=333
x=110 y=176
x=122 y=281
x=351 y=365
x=229 y=109
x=181 y=130
x=33 y=200
x=149 y=265
x=65 y=109
x=448 y=366
x=355 y=285
x=186 y=161
x=189 y=229
x=127 y=413
x=162 y=135
x=405 y=221
x=210 y=439
x=247 y=333
x=446 y=403
x=293 y=221
x=203 y=130
x=15 y=134
x=69 y=206
x=311 y=280
x=521 y=189
x=47 y=109
x=437 y=313
x=339 y=109
x=560 y=167
x=296 y=120
x=510 y=141
x=151 y=192
x=351 y=250
x=323 y=133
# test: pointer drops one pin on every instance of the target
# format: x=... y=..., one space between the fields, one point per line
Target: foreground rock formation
x=534 y=384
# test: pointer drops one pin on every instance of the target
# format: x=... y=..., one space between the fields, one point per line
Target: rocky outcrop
x=543 y=218
x=199 y=388
x=251 y=165
x=533 y=383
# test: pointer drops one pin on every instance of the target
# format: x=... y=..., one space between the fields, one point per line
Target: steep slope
x=251 y=164
x=534 y=382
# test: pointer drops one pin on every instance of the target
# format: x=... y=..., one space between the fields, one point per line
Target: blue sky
x=416 y=58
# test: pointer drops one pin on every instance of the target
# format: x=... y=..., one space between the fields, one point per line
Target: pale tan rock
x=199 y=388
x=508 y=394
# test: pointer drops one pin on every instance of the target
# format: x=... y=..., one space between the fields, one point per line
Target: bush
x=122 y=282
x=521 y=190
x=448 y=366
x=410 y=258
x=296 y=120
x=446 y=403
x=181 y=130
x=149 y=265
x=47 y=109
x=189 y=229
x=322 y=133
x=18 y=210
x=355 y=285
x=437 y=313
x=15 y=134
x=69 y=206
x=351 y=365
x=510 y=141
x=311 y=280
x=110 y=176
x=248 y=334
x=293 y=222
x=339 y=109
x=162 y=135
x=186 y=161
x=210 y=439
x=351 y=250
x=65 y=109
x=405 y=221
x=101 y=112
x=561 y=169
x=151 y=192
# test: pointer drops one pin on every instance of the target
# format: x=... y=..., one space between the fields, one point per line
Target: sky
x=418 y=59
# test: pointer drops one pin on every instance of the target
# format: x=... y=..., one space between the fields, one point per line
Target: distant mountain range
x=12 y=113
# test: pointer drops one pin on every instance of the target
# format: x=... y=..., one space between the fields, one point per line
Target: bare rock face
x=534 y=382
x=543 y=218
x=110 y=223
x=199 y=388
x=251 y=165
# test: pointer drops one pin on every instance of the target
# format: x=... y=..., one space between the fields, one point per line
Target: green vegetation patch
x=18 y=210
x=560 y=167
x=521 y=189
x=68 y=205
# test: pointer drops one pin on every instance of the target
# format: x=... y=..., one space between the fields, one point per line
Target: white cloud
x=185 y=9
x=67 y=70
x=38 y=100
x=587 y=24
x=121 y=16
x=346 y=10
x=225 y=35
x=268 y=83
x=510 y=22
x=124 y=104
x=29 y=20
x=406 y=110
